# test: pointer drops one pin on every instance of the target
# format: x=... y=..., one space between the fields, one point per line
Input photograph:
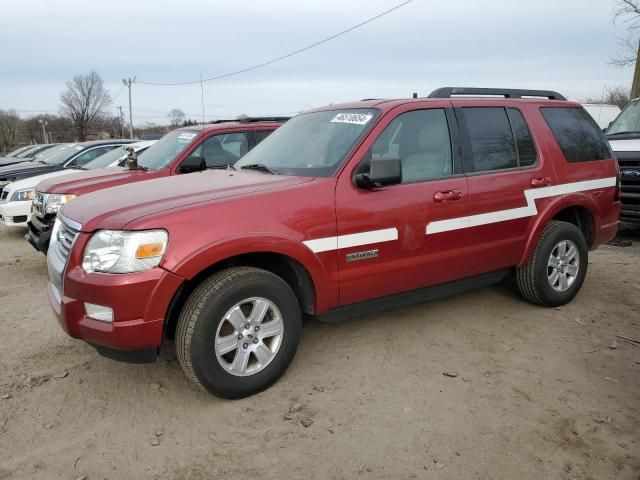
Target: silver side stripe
x=353 y=240
x=389 y=234
x=514 y=213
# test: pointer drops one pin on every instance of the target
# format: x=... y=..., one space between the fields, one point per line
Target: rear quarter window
x=577 y=133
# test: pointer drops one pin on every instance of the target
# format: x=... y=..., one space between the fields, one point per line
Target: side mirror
x=192 y=164
x=381 y=173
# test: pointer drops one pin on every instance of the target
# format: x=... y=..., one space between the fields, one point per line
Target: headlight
x=23 y=195
x=115 y=251
x=54 y=201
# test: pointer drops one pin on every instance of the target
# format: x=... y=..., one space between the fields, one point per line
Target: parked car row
x=16 y=197
x=31 y=152
x=222 y=237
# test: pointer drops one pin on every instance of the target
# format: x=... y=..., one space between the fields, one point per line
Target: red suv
x=184 y=150
x=344 y=209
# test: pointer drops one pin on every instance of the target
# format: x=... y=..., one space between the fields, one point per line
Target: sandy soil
x=539 y=393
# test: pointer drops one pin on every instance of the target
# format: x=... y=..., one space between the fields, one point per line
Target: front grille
x=66 y=236
x=628 y=162
x=19 y=219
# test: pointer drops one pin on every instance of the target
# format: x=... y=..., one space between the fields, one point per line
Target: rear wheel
x=238 y=331
x=557 y=269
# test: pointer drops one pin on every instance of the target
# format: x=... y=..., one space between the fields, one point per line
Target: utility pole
x=44 y=132
x=127 y=82
x=121 y=121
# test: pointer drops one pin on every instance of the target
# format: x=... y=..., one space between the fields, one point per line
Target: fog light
x=98 y=312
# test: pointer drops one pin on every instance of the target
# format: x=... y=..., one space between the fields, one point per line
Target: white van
x=602 y=114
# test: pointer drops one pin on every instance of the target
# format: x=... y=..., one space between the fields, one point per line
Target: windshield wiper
x=631 y=132
x=259 y=167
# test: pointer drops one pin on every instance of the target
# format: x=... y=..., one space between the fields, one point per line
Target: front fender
x=326 y=290
x=552 y=209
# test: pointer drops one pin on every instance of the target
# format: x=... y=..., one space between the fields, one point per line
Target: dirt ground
x=533 y=394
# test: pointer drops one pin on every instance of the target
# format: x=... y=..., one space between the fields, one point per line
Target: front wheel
x=558 y=267
x=238 y=332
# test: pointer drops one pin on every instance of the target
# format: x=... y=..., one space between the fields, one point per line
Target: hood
x=26 y=168
x=628 y=145
x=118 y=206
x=4 y=161
x=87 y=181
x=31 y=182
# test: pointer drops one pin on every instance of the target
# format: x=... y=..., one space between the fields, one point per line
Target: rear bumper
x=608 y=231
x=139 y=301
x=15 y=214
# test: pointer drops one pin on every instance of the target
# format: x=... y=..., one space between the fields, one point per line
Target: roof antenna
x=415 y=94
x=202 y=99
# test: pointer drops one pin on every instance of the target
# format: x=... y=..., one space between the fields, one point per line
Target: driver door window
x=221 y=150
x=421 y=140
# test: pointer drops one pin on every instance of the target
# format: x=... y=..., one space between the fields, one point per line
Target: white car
x=16 y=197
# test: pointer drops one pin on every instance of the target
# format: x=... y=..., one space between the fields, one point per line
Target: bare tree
x=627 y=12
x=8 y=127
x=84 y=101
x=176 y=117
x=619 y=96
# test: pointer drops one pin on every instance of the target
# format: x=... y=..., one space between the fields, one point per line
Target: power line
x=274 y=60
x=118 y=94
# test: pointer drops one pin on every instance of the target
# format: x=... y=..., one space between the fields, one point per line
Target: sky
x=547 y=44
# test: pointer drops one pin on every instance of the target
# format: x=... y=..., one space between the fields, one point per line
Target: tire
x=535 y=278
x=221 y=302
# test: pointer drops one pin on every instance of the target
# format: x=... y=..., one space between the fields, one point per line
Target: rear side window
x=498 y=138
x=492 y=144
x=577 y=133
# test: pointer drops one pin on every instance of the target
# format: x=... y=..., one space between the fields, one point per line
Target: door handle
x=447 y=196
x=540 y=182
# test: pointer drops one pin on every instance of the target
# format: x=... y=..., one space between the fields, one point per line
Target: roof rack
x=448 y=92
x=253 y=119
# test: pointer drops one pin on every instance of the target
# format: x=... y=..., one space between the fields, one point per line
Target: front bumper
x=15 y=214
x=39 y=234
x=140 y=302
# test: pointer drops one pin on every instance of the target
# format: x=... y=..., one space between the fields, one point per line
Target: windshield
x=18 y=150
x=62 y=155
x=47 y=152
x=628 y=121
x=27 y=153
x=161 y=153
x=107 y=159
x=312 y=144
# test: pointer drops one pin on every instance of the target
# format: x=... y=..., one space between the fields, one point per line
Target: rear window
x=577 y=133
